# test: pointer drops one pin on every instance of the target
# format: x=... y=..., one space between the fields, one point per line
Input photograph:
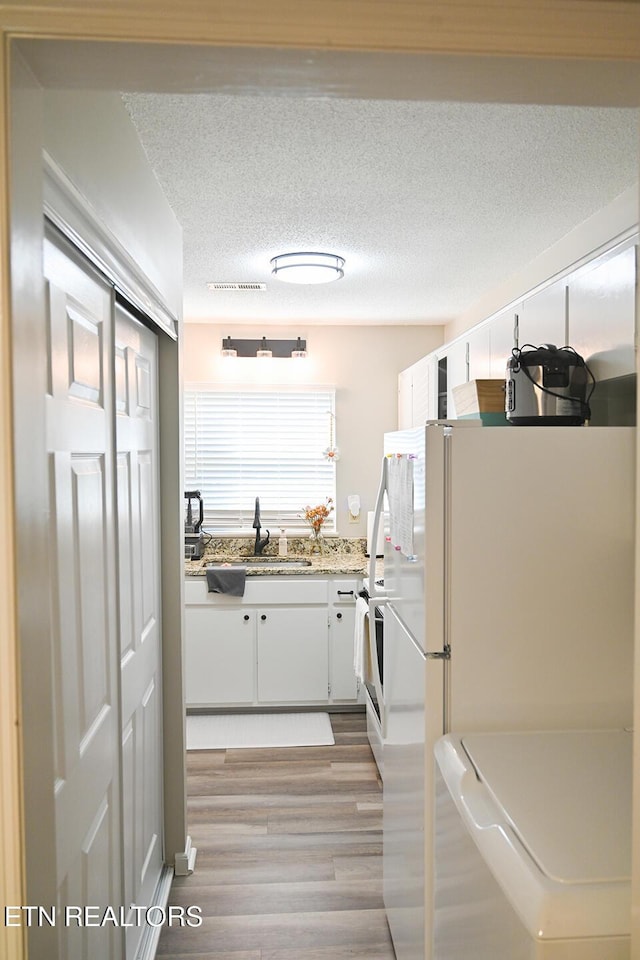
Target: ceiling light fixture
x=307 y=267
x=283 y=349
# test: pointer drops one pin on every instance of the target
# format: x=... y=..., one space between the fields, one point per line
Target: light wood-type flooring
x=289 y=860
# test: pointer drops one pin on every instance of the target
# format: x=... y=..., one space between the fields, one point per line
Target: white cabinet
x=501 y=340
x=292 y=654
x=457 y=372
x=417 y=393
x=479 y=354
x=602 y=314
x=214 y=638
x=287 y=640
x=342 y=679
x=543 y=317
x=405 y=399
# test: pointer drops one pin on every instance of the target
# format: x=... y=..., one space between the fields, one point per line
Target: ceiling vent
x=237 y=286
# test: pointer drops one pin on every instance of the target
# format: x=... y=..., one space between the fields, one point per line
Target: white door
x=84 y=611
x=136 y=400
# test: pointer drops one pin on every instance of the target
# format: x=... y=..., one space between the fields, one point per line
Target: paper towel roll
x=380 y=541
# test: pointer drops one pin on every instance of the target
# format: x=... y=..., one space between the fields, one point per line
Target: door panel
x=139 y=607
x=83 y=596
x=293 y=654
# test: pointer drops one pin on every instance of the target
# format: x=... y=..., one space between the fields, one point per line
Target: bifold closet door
x=84 y=610
x=136 y=396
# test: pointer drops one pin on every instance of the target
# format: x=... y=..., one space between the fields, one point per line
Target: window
x=242 y=443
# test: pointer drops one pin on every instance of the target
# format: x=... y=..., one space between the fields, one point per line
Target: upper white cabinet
x=502 y=339
x=405 y=399
x=542 y=317
x=468 y=359
x=479 y=350
x=417 y=389
x=592 y=309
x=457 y=371
x=602 y=314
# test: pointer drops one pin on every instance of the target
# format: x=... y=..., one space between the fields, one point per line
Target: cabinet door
x=457 y=372
x=543 y=316
x=219 y=656
x=422 y=390
x=293 y=654
x=405 y=398
x=602 y=315
x=479 y=354
x=342 y=676
x=501 y=341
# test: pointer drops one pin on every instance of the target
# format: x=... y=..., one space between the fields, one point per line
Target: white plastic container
x=282 y=544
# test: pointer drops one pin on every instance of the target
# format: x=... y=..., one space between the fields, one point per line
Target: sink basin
x=265 y=562
x=272 y=562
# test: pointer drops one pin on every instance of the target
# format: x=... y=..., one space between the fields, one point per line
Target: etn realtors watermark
x=93 y=916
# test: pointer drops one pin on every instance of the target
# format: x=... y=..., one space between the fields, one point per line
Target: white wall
x=361 y=362
x=90 y=136
x=612 y=221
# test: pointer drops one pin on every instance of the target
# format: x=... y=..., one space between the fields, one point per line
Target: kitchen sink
x=273 y=562
x=265 y=562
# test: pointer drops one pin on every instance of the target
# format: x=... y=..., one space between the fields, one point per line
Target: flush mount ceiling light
x=307 y=267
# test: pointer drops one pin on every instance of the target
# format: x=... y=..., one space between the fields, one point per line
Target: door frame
x=471 y=32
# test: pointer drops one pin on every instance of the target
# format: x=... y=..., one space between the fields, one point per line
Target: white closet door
x=136 y=390
x=84 y=612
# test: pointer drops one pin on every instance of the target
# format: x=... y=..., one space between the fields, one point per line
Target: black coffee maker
x=193 y=534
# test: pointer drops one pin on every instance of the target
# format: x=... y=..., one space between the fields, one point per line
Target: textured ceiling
x=431 y=204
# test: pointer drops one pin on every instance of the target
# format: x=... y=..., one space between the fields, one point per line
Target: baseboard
x=184 y=863
x=149 y=941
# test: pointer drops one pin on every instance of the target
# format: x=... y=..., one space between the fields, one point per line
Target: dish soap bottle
x=282 y=544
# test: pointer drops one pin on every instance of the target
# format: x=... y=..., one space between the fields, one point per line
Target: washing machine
x=533 y=846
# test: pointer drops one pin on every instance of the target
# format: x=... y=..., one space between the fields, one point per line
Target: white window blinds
x=241 y=444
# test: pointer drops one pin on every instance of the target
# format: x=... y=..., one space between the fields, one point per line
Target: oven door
x=374 y=683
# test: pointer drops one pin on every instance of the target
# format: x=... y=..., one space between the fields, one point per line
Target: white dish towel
x=359 y=638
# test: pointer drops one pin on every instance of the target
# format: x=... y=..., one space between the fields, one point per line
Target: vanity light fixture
x=299 y=352
x=228 y=350
x=307 y=267
x=263 y=350
x=233 y=347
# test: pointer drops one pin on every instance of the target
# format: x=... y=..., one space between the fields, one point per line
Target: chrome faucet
x=259 y=544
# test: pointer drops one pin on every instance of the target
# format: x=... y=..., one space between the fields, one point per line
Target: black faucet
x=259 y=544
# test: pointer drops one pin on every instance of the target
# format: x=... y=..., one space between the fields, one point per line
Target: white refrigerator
x=508 y=605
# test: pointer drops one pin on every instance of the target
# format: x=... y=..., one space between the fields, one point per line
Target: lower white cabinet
x=220 y=655
x=286 y=641
x=342 y=682
x=292 y=654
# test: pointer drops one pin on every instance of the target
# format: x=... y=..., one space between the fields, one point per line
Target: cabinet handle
x=339 y=616
x=263 y=616
x=246 y=616
x=346 y=593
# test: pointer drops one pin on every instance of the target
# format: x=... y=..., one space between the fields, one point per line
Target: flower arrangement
x=316 y=516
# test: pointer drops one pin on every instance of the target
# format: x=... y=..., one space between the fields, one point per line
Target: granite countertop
x=340 y=556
